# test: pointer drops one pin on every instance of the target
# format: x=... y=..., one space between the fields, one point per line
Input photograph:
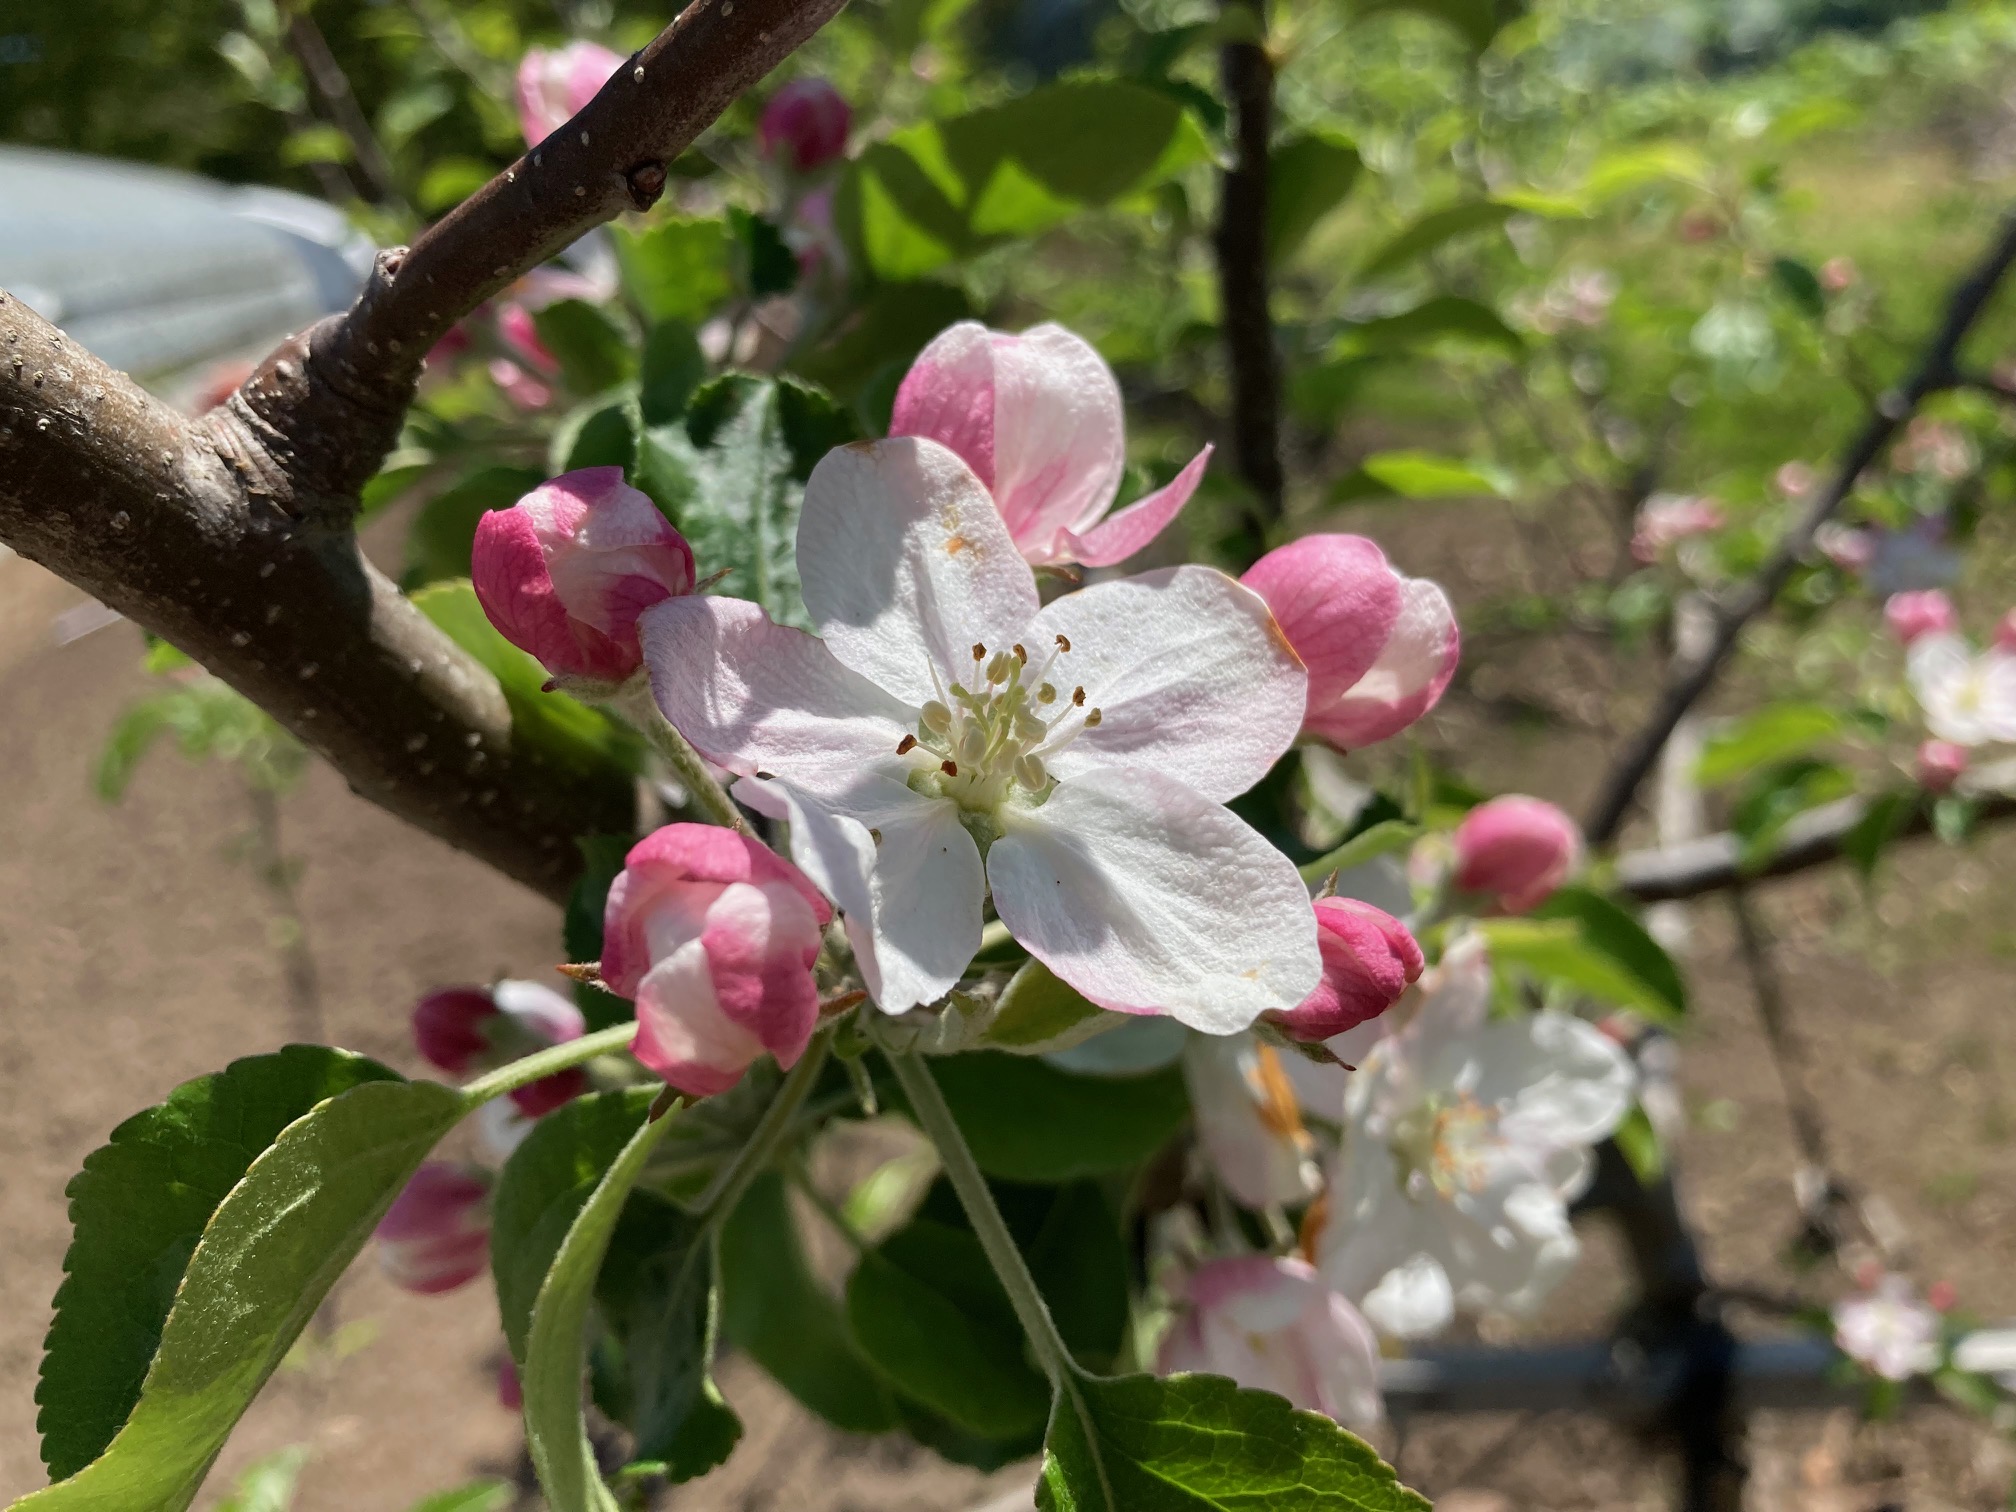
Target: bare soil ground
x=136 y=951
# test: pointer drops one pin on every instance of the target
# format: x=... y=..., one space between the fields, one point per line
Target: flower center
x=993 y=738
x=1444 y=1145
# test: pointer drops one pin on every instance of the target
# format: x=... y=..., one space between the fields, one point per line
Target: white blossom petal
x=1059 y=433
x=1561 y=1081
x=1189 y=672
x=906 y=565
x=1145 y=895
x=755 y=696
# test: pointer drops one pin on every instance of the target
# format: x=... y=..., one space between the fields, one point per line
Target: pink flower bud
x=1940 y=763
x=1369 y=957
x=510 y=1390
x=1795 y=479
x=464 y=1030
x=1380 y=646
x=806 y=123
x=520 y=333
x=1848 y=547
x=1516 y=851
x=714 y=935
x=2005 y=633
x=436 y=1234
x=1273 y=1324
x=564 y=573
x=1666 y=519
x=1925 y=612
x=554 y=85
x=1839 y=274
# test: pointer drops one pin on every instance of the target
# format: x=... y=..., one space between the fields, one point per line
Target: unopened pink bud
x=521 y=334
x=464 y=1030
x=436 y=1234
x=519 y=386
x=2005 y=633
x=1380 y=647
x=1369 y=957
x=805 y=124
x=555 y=84
x=1838 y=274
x=1795 y=480
x=1516 y=851
x=1924 y=612
x=510 y=1390
x=564 y=573
x=1940 y=765
x=714 y=935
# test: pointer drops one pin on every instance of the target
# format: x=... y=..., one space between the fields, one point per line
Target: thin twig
x=1935 y=372
x=332 y=86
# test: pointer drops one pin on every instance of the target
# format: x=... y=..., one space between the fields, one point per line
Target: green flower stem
x=928 y=1103
x=522 y=1073
x=635 y=705
x=727 y=1188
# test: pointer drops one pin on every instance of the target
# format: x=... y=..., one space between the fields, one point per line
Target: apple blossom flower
x=519 y=386
x=806 y=122
x=1967 y=699
x=1380 y=646
x=1886 y=1329
x=1839 y=274
x=1249 y=1122
x=714 y=935
x=947 y=732
x=1666 y=519
x=1850 y=547
x=1369 y=957
x=1038 y=419
x=1516 y=851
x=1940 y=764
x=518 y=331
x=2005 y=633
x=564 y=573
x=464 y=1030
x=1272 y=1324
x=1794 y=479
x=436 y=1235
x=554 y=85
x=1926 y=612
x=1465 y=1138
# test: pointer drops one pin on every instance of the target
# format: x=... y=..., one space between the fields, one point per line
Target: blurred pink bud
x=1273 y=1324
x=1369 y=957
x=436 y=1234
x=1666 y=519
x=1848 y=547
x=554 y=84
x=510 y=1390
x=1038 y=419
x=1925 y=612
x=564 y=573
x=1940 y=763
x=521 y=334
x=714 y=935
x=806 y=123
x=1838 y=274
x=1380 y=646
x=1941 y=1295
x=2005 y=632
x=450 y=346
x=1795 y=480
x=220 y=383
x=1516 y=850
x=519 y=386
x=464 y=1030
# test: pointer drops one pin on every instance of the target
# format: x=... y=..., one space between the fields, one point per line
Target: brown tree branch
x=1240 y=240
x=332 y=85
x=230 y=535
x=1935 y=371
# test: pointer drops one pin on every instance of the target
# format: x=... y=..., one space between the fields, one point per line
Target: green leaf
x=1640 y=1145
x=1475 y=21
x=1772 y=734
x=438 y=544
x=1310 y=175
x=555 y=1431
x=1444 y=318
x=268 y=1486
x=1369 y=844
x=942 y=190
x=1432 y=231
x=1028 y=1121
x=1775 y=795
x=306 y=1149
x=1880 y=823
x=775 y=1311
x=672 y=369
x=1558 y=953
x=928 y=1312
x=600 y=433
x=1420 y=475
x=732 y=478
x=769 y=266
x=677 y=269
x=1801 y=285
x=1197 y=1443
x=594 y=352
x=549 y=727
x=1039 y=1012
x=1610 y=931
x=477 y=1496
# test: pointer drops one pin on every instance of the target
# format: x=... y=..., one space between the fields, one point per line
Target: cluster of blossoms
x=949 y=742
x=1888 y=1329
x=1968 y=697
x=1666 y=519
